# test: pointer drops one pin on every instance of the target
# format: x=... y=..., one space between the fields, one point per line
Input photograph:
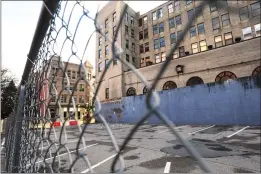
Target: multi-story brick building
x=221 y=44
x=81 y=91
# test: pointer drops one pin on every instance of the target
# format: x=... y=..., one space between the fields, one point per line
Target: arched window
x=257 y=72
x=145 y=90
x=224 y=76
x=169 y=85
x=194 y=81
x=131 y=91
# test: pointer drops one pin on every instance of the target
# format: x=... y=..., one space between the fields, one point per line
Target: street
x=154 y=149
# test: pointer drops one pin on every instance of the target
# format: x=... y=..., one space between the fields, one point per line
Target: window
x=141 y=35
x=131 y=91
x=133 y=47
x=63 y=98
x=170 y=8
x=141 y=60
x=100 y=67
x=224 y=76
x=193 y=31
x=162 y=42
x=194 y=81
x=200 y=12
x=106 y=36
x=155 y=29
x=114 y=61
x=175 y=55
x=114 y=17
x=194 y=47
x=73 y=75
x=181 y=51
x=147 y=47
x=156 y=43
x=178 y=20
x=215 y=23
x=81 y=87
x=89 y=76
x=133 y=60
x=81 y=99
x=172 y=38
x=132 y=33
x=126 y=17
x=163 y=57
x=106 y=63
x=131 y=20
x=100 y=53
x=255 y=7
x=228 y=38
x=218 y=41
x=223 y=2
x=100 y=41
x=154 y=16
x=171 y=23
x=176 y=5
x=225 y=19
x=169 y=85
x=126 y=30
x=140 y=22
x=69 y=73
x=160 y=13
x=179 y=34
x=190 y=14
x=106 y=50
x=213 y=6
x=141 y=49
x=188 y=2
x=145 y=20
x=127 y=58
x=146 y=34
x=127 y=44
x=161 y=27
x=243 y=13
x=201 y=28
x=157 y=58
x=114 y=30
x=107 y=93
x=106 y=23
x=247 y=33
x=203 y=45
x=257 y=29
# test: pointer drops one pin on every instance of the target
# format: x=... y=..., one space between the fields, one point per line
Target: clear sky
x=19 y=19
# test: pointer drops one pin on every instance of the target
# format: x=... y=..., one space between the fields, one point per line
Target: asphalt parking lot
x=154 y=149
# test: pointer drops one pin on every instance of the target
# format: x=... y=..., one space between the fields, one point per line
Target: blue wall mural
x=234 y=103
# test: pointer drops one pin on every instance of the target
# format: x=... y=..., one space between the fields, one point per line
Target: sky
x=19 y=19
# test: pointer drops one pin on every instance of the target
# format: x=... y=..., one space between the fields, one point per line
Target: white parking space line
x=100 y=163
x=202 y=129
x=169 y=129
x=65 y=153
x=167 y=167
x=237 y=132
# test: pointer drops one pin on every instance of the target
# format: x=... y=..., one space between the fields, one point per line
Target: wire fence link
x=32 y=146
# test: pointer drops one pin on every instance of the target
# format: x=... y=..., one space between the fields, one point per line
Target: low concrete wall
x=233 y=103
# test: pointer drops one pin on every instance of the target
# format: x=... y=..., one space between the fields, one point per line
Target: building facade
x=79 y=89
x=221 y=44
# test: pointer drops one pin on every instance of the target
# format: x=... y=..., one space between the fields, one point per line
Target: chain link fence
x=29 y=144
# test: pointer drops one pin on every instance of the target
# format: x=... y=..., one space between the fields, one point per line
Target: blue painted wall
x=234 y=103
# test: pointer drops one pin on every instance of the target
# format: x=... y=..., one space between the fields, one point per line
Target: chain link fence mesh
x=30 y=147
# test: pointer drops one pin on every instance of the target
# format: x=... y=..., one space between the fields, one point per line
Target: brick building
x=81 y=91
x=218 y=46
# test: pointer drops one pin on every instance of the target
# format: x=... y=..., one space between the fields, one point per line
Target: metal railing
x=27 y=145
